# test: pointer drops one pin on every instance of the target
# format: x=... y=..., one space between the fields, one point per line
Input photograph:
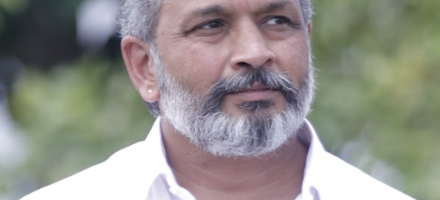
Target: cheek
x=199 y=66
x=294 y=58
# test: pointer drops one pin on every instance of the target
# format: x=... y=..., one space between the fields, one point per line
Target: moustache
x=273 y=80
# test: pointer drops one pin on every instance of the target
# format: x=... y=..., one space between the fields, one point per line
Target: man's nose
x=250 y=49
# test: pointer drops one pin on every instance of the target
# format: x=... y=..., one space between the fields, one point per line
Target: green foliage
x=379 y=71
x=14 y=6
x=76 y=116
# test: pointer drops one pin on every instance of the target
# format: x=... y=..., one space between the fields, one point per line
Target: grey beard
x=202 y=120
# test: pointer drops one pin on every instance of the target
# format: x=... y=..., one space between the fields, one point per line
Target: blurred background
x=66 y=102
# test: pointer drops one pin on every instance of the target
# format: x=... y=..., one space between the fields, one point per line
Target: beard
x=201 y=119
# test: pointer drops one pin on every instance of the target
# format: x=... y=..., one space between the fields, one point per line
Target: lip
x=256 y=92
x=254 y=87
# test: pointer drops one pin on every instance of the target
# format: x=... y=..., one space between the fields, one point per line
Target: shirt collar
x=163 y=171
x=315 y=155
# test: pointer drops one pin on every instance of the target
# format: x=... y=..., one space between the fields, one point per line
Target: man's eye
x=277 y=20
x=206 y=28
x=211 y=25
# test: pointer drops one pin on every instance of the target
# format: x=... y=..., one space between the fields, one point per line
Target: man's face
x=219 y=59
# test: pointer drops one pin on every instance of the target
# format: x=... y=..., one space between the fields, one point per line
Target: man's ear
x=140 y=68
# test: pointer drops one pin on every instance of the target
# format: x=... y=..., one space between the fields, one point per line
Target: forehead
x=188 y=8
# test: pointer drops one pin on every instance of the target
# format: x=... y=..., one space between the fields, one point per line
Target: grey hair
x=139 y=18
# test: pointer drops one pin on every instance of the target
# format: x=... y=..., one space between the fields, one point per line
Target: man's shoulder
x=87 y=182
x=120 y=174
x=349 y=182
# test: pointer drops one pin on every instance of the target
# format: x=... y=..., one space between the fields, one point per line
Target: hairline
x=150 y=36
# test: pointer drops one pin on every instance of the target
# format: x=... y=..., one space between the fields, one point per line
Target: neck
x=276 y=175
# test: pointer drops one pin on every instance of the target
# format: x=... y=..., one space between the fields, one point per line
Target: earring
x=150 y=91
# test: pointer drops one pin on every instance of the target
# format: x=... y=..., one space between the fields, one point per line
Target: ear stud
x=150 y=91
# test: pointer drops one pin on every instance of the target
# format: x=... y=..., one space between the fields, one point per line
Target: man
x=230 y=83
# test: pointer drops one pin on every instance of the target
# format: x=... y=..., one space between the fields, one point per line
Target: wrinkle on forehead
x=202 y=7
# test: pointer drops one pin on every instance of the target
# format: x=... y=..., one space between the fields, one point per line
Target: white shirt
x=141 y=172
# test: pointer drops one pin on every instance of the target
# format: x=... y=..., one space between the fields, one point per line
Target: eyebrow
x=210 y=10
x=218 y=9
x=274 y=6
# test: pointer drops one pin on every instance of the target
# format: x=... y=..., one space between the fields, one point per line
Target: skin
x=202 y=41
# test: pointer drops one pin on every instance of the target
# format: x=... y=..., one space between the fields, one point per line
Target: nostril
x=244 y=64
x=249 y=59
